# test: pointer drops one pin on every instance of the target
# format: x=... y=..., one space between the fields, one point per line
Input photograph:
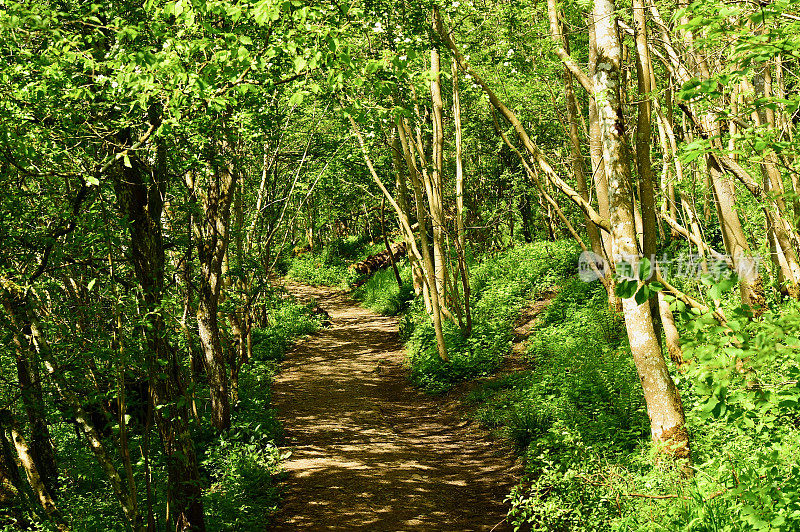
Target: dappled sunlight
x=368 y=451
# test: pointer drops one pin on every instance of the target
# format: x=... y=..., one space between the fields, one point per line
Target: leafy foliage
x=381 y=293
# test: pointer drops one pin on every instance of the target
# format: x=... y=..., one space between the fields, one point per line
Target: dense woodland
x=166 y=163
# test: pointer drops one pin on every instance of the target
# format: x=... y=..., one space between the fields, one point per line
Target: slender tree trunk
x=558 y=33
x=18 y=306
x=436 y=313
x=41 y=450
x=460 y=231
x=751 y=284
x=644 y=132
x=142 y=204
x=600 y=178
x=388 y=245
x=11 y=487
x=403 y=201
x=435 y=190
x=661 y=396
x=211 y=234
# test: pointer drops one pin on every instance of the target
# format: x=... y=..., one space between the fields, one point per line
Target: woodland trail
x=368 y=451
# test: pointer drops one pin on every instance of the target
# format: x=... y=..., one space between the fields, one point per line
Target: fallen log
x=381 y=260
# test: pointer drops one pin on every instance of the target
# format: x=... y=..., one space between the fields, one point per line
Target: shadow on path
x=368 y=451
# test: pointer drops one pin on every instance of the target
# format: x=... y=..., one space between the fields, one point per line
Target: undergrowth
x=500 y=286
x=577 y=419
x=330 y=266
x=244 y=463
x=382 y=294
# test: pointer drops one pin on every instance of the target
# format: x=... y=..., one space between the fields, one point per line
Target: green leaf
x=655 y=286
x=642 y=295
x=644 y=268
x=626 y=289
x=714 y=292
x=299 y=64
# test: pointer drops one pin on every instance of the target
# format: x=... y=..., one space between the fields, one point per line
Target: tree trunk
x=435 y=302
x=388 y=246
x=460 y=232
x=435 y=189
x=35 y=478
x=661 y=396
x=211 y=235
x=142 y=204
x=27 y=362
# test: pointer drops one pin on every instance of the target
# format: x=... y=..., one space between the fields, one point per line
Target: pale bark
x=388 y=245
x=557 y=32
x=527 y=142
x=460 y=232
x=414 y=258
x=435 y=190
x=671 y=334
x=661 y=396
x=750 y=282
x=426 y=255
x=435 y=302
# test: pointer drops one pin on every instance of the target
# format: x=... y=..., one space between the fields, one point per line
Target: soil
x=369 y=452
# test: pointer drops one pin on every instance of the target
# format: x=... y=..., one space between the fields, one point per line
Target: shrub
x=287 y=321
x=244 y=493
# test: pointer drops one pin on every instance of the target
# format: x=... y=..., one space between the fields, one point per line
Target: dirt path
x=370 y=452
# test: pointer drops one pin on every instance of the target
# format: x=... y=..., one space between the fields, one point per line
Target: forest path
x=368 y=451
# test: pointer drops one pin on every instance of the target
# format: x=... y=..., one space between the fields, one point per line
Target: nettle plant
x=745 y=368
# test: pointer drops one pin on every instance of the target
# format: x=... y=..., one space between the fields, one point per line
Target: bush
x=243 y=464
x=287 y=321
x=244 y=494
x=595 y=469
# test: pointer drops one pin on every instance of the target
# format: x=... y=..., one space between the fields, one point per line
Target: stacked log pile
x=381 y=260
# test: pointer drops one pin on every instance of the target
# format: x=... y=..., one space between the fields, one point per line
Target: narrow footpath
x=368 y=451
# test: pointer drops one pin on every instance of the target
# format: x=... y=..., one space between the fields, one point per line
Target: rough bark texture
x=27 y=363
x=142 y=202
x=211 y=234
x=664 y=406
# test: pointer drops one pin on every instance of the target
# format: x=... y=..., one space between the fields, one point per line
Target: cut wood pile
x=381 y=260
